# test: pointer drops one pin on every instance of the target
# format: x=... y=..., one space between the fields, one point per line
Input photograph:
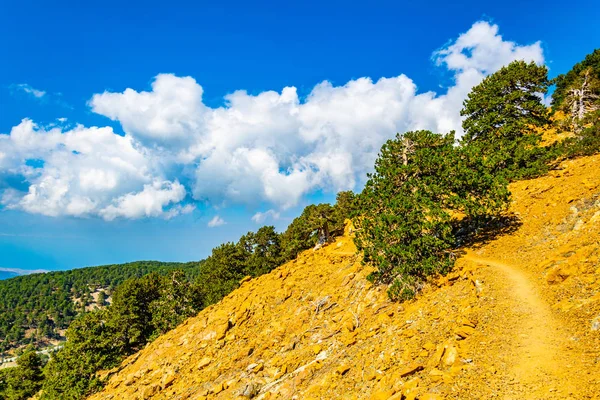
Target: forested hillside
x=37 y=308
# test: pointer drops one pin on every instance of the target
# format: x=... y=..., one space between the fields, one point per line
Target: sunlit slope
x=519 y=318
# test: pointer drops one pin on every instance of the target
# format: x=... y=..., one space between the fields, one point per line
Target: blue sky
x=173 y=152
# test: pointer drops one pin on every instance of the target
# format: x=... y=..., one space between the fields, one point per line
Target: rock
x=217 y=388
x=348 y=339
x=436 y=358
x=203 y=363
x=468 y=322
x=349 y=324
x=168 y=380
x=410 y=370
x=429 y=346
x=383 y=394
x=464 y=331
x=408 y=333
x=249 y=390
x=596 y=323
x=316 y=349
x=222 y=329
x=450 y=355
x=436 y=375
x=560 y=273
x=149 y=391
x=255 y=367
x=369 y=376
x=409 y=389
x=342 y=369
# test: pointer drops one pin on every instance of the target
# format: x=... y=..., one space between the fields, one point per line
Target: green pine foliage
x=317 y=224
x=504 y=116
x=142 y=309
x=586 y=142
x=24 y=380
x=263 y=249
x=222 y=271
x=409 y=207
x=577 y=94
x=92 y=344
x=566 y=81
x=404 y=229
x=178 y=299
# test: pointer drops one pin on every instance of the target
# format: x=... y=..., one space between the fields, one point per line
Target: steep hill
x=518 y=318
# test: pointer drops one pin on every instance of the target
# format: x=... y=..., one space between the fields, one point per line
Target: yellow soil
x=515 y=320
x=534 y=345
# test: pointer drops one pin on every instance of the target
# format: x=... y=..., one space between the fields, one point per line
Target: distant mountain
x=7 y=275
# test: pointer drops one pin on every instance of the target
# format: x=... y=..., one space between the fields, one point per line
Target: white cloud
x=179 y=209
x=216 y=221
x=150 y=202
x=169 y=112
x=30 y=90
x=85 y=172
x=482 y=49
x=271 y=148
x=261 y=217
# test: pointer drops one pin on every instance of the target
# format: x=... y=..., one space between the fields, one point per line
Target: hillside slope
x=37 y=308
x=519 y=318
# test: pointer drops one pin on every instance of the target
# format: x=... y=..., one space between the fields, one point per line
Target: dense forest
x=429 y=194
x=36 y=308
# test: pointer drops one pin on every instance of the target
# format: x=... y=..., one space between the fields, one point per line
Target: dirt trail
x=539 y=358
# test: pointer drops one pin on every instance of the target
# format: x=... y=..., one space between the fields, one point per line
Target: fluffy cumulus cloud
x=269 y=148
x=84 y=172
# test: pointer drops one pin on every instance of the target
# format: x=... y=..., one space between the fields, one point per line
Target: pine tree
x=583 y=97
x=25 y=380
x=421 y=181
x=504 y=116
x=404 y=229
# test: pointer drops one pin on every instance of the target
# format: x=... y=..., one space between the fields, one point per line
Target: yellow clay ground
x=519 y=318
